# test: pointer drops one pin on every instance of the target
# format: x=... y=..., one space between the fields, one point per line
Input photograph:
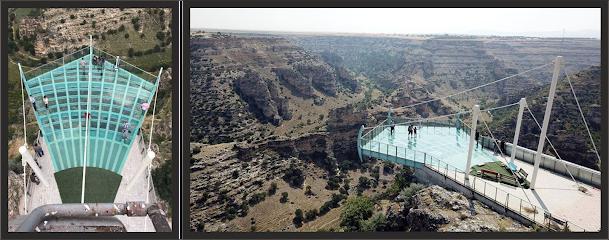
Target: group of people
x=99 y=61
x=45 y=100
x=412 y=130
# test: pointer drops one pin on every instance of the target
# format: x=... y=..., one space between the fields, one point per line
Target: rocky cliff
x=435 y=209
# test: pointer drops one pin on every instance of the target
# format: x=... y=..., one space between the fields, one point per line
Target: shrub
x=376 y=223
x=161 y=177
x=411 y=190
x=297 y=218
x=160 y=35
x=333 y=183
x=126 y=35
x=311 y=215
x=363 y=183
x=257 y=198
x=284 y=197
x=355 y=211
x=308 y=192
x=272 y=189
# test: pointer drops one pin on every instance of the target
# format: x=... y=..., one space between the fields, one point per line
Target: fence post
x=520 y=210
x=396 y=153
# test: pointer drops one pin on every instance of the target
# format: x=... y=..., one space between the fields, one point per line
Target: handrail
x=61 y=61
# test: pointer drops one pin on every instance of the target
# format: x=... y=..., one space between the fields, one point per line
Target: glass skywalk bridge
x=80 y=85
x=438 y=140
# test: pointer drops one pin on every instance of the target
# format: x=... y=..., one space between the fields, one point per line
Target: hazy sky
x=542 y=22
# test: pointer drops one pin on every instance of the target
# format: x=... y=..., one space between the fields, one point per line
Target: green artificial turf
x=498 y=167
x=101 y=185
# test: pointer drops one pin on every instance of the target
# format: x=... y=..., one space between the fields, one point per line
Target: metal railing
x=110 y=58
x=49 y=66
x=524 y=208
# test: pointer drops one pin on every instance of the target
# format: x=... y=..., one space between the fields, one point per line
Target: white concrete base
x=39 y=194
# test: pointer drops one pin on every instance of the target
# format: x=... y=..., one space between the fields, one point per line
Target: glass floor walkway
x=431 y=143
x=116 y=95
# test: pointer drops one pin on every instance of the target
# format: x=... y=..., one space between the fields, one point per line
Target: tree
x=284 y=197
x=297 y=218
x=126 y=35
x=355 y=211
x=121 y=28
x=294 y=176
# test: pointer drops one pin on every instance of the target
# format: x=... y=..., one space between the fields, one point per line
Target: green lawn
x=101 y=185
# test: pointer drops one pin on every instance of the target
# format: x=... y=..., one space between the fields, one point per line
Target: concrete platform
x=555 y=194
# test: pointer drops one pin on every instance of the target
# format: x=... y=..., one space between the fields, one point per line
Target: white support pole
x=27 y=157
x=145 y=164
x=472 y=139
x=546 y=119
x=523 y=103
x=84 y=164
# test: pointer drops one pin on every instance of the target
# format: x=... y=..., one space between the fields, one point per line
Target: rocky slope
x=566 y=130
x=244 y=87
x=435 y=209
x=450 y=63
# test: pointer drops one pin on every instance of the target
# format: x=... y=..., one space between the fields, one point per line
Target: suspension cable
x=582 y=115
x=477 y=87
x=553 y=148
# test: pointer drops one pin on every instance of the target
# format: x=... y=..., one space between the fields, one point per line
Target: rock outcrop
x=435 y=209
x=263 y=97
x=321 y=75
x=297 y=81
